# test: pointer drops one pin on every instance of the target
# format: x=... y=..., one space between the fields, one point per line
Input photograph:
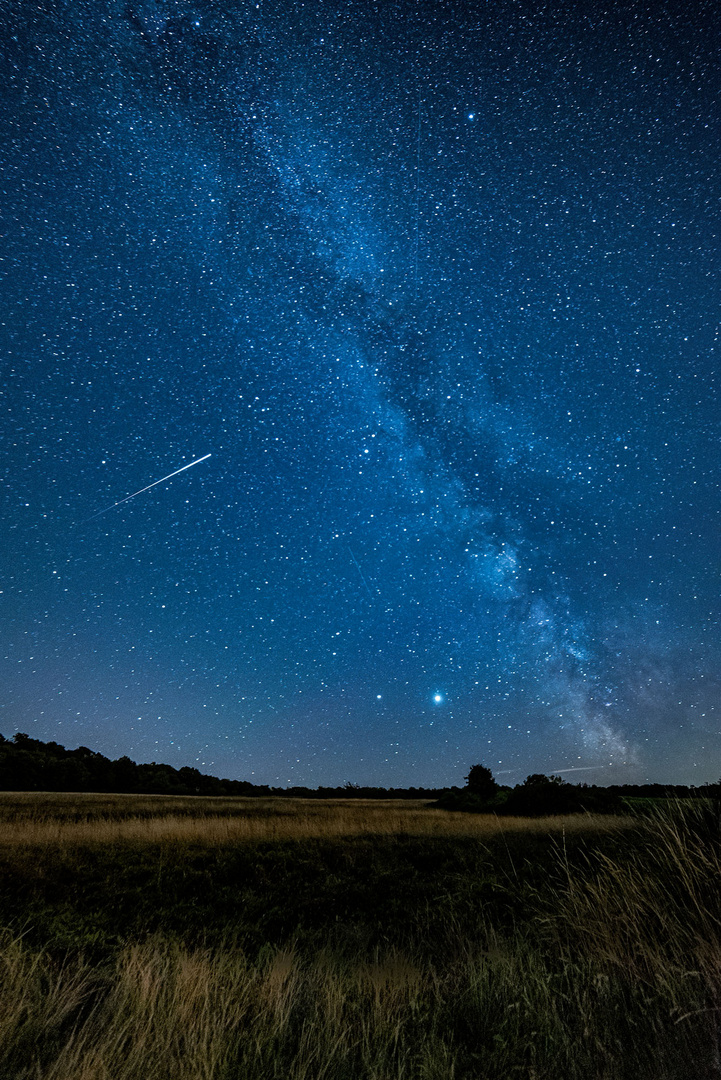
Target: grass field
x=86 y=819
x=222 y=938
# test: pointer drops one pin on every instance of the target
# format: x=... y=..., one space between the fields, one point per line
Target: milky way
x=436 y=288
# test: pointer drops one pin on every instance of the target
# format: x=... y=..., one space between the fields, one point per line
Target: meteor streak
x=557 y=772
x=580 y=768
x=149 y=486
x=361 y=573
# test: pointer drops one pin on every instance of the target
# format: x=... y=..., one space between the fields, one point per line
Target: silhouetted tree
x=480 y=782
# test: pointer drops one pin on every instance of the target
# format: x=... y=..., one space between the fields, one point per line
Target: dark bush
x=540 y=795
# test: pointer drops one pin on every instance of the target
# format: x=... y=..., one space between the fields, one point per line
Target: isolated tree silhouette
x=480 y=782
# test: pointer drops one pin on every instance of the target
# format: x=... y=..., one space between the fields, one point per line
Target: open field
x=154 y=937
x=81 y=819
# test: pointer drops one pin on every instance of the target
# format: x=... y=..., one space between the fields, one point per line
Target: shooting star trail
x=149 y=486
x=556 y=772
x=360 y=572
x=579 y=768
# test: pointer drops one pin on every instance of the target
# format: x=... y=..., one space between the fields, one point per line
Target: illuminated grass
x=311 y=942
x=79 y=819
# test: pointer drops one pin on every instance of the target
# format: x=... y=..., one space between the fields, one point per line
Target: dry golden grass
x=610 y=969
x=504 y=1008
x=177 y=1014
x=33 y=819
x=661 y=906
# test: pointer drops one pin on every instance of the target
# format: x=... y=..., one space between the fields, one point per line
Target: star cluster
x=435 y=286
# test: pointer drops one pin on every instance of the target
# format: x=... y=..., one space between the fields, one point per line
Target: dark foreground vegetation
x=143 y=941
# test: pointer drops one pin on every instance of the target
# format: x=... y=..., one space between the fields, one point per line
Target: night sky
x=435 y=286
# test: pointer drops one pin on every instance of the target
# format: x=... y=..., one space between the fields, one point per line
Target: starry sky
x=435 y=287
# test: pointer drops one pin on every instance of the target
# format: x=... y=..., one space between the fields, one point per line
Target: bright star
x=438 y=698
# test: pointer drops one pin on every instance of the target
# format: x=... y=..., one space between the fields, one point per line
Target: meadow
x=224 y=938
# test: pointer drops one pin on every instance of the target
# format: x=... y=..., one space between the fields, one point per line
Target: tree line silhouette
x=28 y=764
x=539 y=795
